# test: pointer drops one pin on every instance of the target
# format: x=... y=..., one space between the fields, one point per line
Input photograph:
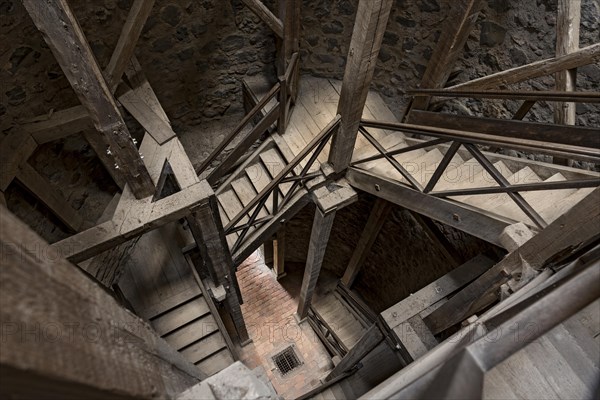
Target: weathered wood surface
x=266 y=16
x=15 y=149
x=58 y=124
x=569 y=230
x=367 y=36
x=319 y=237
x=140 y=218
x=138 y=14
x=568 y=135
x=458 y=26
x=41 y=188
x=66 y=345
x=579 y=58
x=378 y=216
x=369 y=340
x=70 y=47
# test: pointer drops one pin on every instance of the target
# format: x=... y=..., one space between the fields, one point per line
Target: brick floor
x=269 y=310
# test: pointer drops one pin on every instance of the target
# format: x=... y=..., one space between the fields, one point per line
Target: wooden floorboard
x=180 y=316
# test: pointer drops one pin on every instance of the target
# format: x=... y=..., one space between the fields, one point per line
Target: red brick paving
x=269 y=310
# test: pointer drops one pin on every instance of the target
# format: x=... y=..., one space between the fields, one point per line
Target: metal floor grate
x=286 y=360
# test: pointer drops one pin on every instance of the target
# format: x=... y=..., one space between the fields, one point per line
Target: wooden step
x=246 y=193
x=204 y=347
x=491 y=201
x=275 y=163
x=419 y=168
x=259 y=177
x=470 y=175
x=537 y=199
x=215 y=362
x=558 y=208
x=393 y=141
x=192 y=332
x=179 y=316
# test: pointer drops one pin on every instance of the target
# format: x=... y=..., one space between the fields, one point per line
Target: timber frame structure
x=329 y=172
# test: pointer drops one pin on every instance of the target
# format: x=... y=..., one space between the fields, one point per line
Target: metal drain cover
x=286 y=360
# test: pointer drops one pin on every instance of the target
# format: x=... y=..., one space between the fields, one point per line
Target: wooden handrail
x=249 y=117
x=288 y=168
x=545 y=95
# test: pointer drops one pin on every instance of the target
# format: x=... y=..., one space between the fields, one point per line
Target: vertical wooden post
x=279 y=253
x=377 y=218
x=207 y=229
x=319 y=237
x=371 y=21
x=567 y=41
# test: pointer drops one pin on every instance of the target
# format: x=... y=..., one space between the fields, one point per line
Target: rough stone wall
x=508 y=33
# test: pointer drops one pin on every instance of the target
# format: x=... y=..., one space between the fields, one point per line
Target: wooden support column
x=319 y=237
x=55 y=19
x=379 y=213
x=576 y=226
x=289 y=43
x=279 y=253
x=449 y=47
x=367 y=342
x=371 y=21
x=567 y=41
x=207 y=229
x=64 y=336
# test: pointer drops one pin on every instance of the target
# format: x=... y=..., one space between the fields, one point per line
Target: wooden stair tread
x=416 y=168
x=558 y=208
x=208 y=345
x=180 y=316
x=192 y=332
x=246 y=193
x=390 y=142
x=215 y=362
x=492 y=201
x=274 y=164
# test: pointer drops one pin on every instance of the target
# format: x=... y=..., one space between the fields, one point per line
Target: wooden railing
x=287 y=176
x=330 y=340
x=469 y=140
x=285 y=91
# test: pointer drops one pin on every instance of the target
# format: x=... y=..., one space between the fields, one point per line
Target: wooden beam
x=367 y=342
x=207 y=229
x=3 y=199
x=369 y=27
x=378 y=216
x=65 y=336
x=15 y=149
x=58 y=124
x=159 y=129
x=279 y=253
x=41 y=188
x=138 y=14
x=577 y=225
x=319 y=237
x=55 y=19
x=458 y=26
x=436 y=291
x=266 y=16
x=536 y=95
x=473 y=222
x=140 y=217
x=585 y=56
x=561 y=134
x=288 y=44
x=567 y=41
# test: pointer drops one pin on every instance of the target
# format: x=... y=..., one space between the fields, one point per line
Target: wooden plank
x=568 y=135
x=169 y=303
x=192 y=332
x=579 y=224
x=204 y=348
x=579 y=58
x=377 y=217
x=319 y=237
x=215 y=363
x=368 y=341
x=436 y=291
x=266 y=16
x=138 y=14
x=454 y=35
x=3 y=199
x=567 y=41
x=41 y=188
x=279 y=253
x=70 y=47
x=58 y=124
x=144 y=218
x=463 y=217
x=415 y=337
x=72 y=365
x=156 y=127
x=367 y=36
x=15 y=149
x=180 y=316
